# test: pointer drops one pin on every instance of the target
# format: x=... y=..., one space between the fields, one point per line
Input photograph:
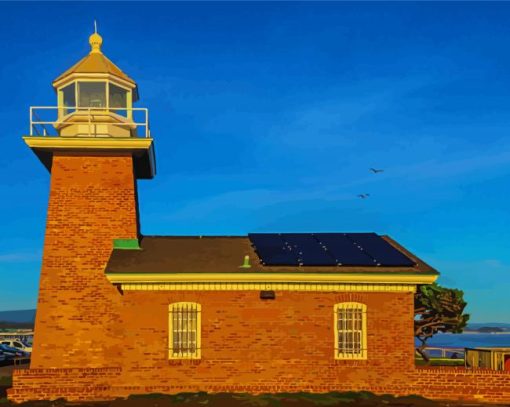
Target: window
x=17 y=345
x=184 y=330
x=69 y=98
x=350 y=330
x=92 y=94
x=118 y=98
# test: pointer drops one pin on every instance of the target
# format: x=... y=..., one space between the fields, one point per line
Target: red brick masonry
x=120 y=341
x=92 y=201
x=105 y=383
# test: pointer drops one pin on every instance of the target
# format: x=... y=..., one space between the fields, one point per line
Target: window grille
x=184 y=330
x=350 y=330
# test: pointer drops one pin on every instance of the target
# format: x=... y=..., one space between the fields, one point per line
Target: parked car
x=11 y=353
x=16 y=343
x=2 y=356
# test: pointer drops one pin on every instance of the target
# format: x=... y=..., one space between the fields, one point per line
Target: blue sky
x=267 y=117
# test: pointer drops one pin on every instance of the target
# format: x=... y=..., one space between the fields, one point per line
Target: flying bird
x=375 y=170
x=363 y=196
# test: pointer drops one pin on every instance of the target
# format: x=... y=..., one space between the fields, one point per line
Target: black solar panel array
x=326 y=249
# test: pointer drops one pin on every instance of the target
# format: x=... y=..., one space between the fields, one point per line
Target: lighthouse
x=94 y=113
x=95 y=145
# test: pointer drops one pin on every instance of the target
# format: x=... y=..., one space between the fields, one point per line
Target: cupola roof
x=95 y=63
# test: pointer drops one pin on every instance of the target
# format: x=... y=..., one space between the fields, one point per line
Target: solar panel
x=344 y=251
x=326 y=249
x=309 y=251
x=272 y=250
x=383 y=252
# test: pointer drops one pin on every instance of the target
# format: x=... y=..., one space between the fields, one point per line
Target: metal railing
x=64 y=115
x=444 y=352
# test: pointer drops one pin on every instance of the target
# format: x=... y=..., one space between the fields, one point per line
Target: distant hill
x=4 y=326
x=488 y=327
x=20 y=316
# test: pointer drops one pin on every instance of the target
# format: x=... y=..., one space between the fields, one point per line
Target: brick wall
x=282 y=342
x=92 y=201
x=73 y=384
x=458 y=383
x=438 y=383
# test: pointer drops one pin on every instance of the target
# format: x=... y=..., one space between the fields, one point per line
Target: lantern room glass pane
x=92 y=94
x=69 y=96
x=118 y=98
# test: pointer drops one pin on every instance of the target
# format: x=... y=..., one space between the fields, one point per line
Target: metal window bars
x=351 y=327
x=184 y=331
x=38 y=126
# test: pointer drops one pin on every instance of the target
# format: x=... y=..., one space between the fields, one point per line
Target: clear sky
x=267 y=117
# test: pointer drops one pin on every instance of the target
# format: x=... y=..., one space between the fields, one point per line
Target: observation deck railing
x=45 y=120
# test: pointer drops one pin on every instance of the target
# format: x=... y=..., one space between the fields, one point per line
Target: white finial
x=95 y=26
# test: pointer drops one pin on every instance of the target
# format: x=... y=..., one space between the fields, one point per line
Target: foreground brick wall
x=458 y=383
x=447 y=383
x=92 y=201
x=73 y=384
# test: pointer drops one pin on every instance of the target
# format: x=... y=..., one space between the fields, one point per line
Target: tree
x=437 y=309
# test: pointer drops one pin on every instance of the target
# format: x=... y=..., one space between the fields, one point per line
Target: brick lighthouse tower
x=95 y=147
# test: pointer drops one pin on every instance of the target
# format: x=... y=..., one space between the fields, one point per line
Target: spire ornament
x=95 y=41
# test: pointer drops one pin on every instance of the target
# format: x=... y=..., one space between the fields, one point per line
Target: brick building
x=121 y=313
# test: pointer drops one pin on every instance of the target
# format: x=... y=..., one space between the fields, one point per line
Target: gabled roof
x=225 y=254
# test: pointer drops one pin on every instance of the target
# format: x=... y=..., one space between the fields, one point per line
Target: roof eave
x=298 y=277
x=65 y=79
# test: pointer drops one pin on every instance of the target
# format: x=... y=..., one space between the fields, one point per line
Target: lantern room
x=95 y=98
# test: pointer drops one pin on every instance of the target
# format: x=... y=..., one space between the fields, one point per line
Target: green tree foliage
x=437 y=309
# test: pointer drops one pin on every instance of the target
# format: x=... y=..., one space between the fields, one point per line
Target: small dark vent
x=267 y=295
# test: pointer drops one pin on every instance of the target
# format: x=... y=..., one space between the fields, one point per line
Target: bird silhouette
x=375 y=170
x=363 y=196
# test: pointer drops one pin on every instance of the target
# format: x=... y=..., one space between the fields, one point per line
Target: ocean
x=469 y=340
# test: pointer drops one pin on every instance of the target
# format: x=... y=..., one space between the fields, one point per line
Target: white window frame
x=352 y=330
